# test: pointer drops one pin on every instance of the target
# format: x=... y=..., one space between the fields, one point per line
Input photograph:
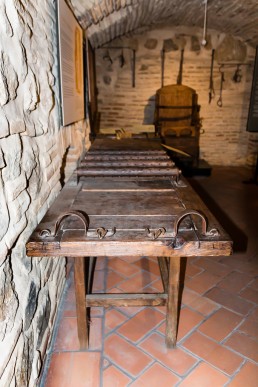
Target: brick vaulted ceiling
x=106 y=20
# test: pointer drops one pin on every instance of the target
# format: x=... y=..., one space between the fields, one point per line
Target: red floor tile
x=192 y=270
x=250 y=327
x=215 y=354
x=199 y=303
x=205 y=376
x=126 y=356
x=130 y=310
x=250 y=294
x=59 y=370
x=220 y=324
x=148 y=265
x=95 y=339
x=213 y=267
x=100 y=263
x=67 y=338
x=137 y=282
x=98 y=281
x=254 y=284
x=234 y=282
x=244 y=345
x=202 y=282
x=229 y=300
x=74 y=369
x=113 y=319
x=114 y=279
x=85 y=370
x=156 y=375
x=113 y=377
x=140 y=324
x=244 y=265
x=130 y=259
x=247 y=376
x=122 y=267
x=188 y=320
x=176 y=359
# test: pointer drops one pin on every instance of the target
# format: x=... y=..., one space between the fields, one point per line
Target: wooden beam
x=134 y=299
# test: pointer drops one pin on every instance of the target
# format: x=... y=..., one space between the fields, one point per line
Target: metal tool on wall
x=211 y=88
x=237 y=77
x=180 y=73
x=222 y=80
x=133 y=67
x=162 y=66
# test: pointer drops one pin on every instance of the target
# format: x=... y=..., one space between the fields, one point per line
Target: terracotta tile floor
x=218 y=327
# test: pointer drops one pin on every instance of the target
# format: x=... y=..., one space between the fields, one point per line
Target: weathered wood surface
x=134 y=299
x=126 y=171
x=131 y=207
x=172 y=302
x=128 y=213
x=80 y=294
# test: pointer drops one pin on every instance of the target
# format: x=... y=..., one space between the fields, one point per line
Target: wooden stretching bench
x=130 y=200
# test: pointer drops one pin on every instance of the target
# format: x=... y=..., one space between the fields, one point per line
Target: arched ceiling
x=106 y=20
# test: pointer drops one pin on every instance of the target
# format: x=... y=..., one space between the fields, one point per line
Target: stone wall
x=33 y=150
x=225 y=140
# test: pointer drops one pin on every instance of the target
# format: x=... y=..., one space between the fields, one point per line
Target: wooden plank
x=134 y=299
x=93 y=184
x=172 y=303
x=74 y=243
x=131 y=203
x=126 y=171
x=108 y=144
x=126 y=163
x=92 y=157
x=80 y=293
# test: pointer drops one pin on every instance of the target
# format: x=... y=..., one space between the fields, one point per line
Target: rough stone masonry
x=32 y=148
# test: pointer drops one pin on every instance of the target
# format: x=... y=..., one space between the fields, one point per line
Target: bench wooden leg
x=172 y=302
x=163 y=267
x=80 y=294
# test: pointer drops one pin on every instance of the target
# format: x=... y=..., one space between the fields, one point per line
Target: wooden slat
x=93 y=157
x=123 y=163
x=136 y=299
x=126 y=171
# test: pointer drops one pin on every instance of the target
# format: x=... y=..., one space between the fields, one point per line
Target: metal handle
x=78 y=214
x=186 y=213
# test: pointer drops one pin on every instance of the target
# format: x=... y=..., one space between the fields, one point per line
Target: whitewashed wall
x=32 y=150
x=225 y=141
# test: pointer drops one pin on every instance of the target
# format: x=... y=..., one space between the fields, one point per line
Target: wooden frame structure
x=118 y=212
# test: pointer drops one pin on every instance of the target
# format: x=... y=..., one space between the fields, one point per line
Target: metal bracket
x=103 y=232
x=48 y=233
x=213 y=232
x=154 y=234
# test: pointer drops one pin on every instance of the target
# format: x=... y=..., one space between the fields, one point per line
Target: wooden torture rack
x=127 y=198
x=178 y=123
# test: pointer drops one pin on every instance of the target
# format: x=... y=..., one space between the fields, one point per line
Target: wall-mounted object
x=70 y=39
x=252 y=122
x=122 y=58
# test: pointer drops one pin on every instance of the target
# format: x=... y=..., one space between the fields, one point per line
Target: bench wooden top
x=132 y=211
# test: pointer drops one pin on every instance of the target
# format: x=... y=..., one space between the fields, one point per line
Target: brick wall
x=225 y=140
x=33 y=148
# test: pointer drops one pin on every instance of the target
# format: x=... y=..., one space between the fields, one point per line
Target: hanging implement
x=211 y=88
x=237 y=77
x=180 y=73
x=222 y=79
x=133 y=67
x=162 y=66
